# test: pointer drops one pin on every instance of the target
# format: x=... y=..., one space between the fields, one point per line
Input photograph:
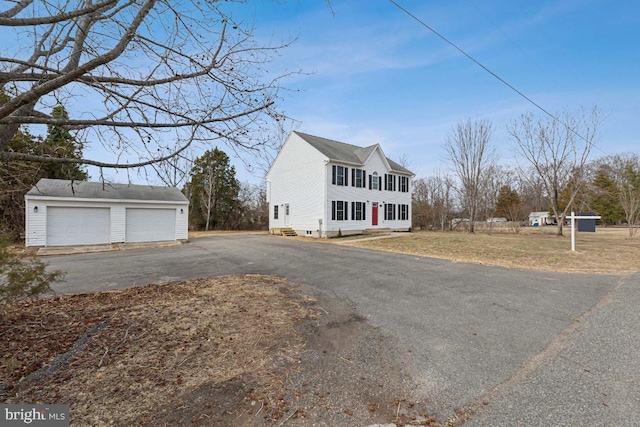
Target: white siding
x=297 y=177
x=182 y=223
x=375 y=163
x=35 y=224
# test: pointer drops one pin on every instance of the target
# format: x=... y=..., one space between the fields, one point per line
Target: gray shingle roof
x=99 y=190
x=342 y=152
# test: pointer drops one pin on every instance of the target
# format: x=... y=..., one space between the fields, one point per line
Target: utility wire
x=473 y=4
x=531 y=101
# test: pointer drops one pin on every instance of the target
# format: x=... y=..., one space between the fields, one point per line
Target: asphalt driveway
x=500 y=346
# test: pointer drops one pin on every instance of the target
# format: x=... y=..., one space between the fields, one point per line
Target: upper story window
x=404 y=184
x=374 y=182
x=357 y=178
x=339 y=175
x=390 y=182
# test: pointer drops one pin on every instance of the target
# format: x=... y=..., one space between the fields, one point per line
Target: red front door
x=374 y=213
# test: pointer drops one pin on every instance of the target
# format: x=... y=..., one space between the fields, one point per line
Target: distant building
x=499 y=219
x=541 y=218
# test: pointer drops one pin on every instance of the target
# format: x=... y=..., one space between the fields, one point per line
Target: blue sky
x=374 y=75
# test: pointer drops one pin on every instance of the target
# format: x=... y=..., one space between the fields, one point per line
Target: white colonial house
x=319 y=187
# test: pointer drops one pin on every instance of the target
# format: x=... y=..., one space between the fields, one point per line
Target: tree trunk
x=559 y=227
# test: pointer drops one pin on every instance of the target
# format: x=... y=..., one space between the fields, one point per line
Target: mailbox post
x=573 y=218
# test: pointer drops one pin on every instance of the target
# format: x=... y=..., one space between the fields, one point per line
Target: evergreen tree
x=18 y=177
x=508 y=204
x=604 y=200
x=61 y=144
x=213 y=190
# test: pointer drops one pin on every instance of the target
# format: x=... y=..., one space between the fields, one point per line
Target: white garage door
x=77 y=226
x=150 y=225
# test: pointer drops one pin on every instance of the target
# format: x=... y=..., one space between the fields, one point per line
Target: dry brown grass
x=608 y=251
x=159 y=343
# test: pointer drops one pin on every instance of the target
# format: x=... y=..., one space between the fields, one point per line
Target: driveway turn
x=496 y=346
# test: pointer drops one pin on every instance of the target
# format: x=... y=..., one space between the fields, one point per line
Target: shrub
x=339 y=232
x=20 y=279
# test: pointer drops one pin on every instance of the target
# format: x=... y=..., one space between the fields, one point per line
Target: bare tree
x=154 y=77
x=558 y=150
x=469 y=153
x=625 y=169
x=175 y=172
x=404 y=160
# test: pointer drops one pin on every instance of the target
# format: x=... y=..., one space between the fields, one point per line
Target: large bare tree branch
x=130 y=71
x=8 y=17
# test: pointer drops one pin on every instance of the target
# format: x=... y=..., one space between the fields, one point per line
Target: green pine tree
x=213 y=190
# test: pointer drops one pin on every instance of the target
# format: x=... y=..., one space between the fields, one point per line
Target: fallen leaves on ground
x=143 y=348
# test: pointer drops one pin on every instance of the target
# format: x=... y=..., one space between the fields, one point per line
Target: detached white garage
x=66 y=213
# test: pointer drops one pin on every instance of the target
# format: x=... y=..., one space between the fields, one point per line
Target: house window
x=403 y=213
x=339 y=211
x=286 y=209
x=373 y=181
x=390 y=212
x=357 y=178
x=390 y=182
x=358 y=211
x=339 y=175
x=275 y=212
x=404 y=184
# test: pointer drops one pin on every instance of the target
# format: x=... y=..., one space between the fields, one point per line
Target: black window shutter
x=333 y=210
x=370 y=182
x=346 y=176
x=364 y=176
x=385 y=181
x=353 y=177
x=353 y=210
x=379 y=183
x=333 y=175
x=346 y=211
x=398 y=211
x=394 y=182
x=364 y=211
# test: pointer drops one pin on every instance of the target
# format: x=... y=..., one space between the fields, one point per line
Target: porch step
x=288 y=232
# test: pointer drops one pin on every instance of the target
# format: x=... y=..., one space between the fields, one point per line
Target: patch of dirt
x=232 y=351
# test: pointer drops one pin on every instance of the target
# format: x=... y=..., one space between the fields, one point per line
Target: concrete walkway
x=71 y=250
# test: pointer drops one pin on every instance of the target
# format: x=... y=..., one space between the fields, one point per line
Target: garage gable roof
x=61 y=188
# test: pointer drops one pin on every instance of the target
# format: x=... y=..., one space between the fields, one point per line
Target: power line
x=510 y=86
x=473 y=4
